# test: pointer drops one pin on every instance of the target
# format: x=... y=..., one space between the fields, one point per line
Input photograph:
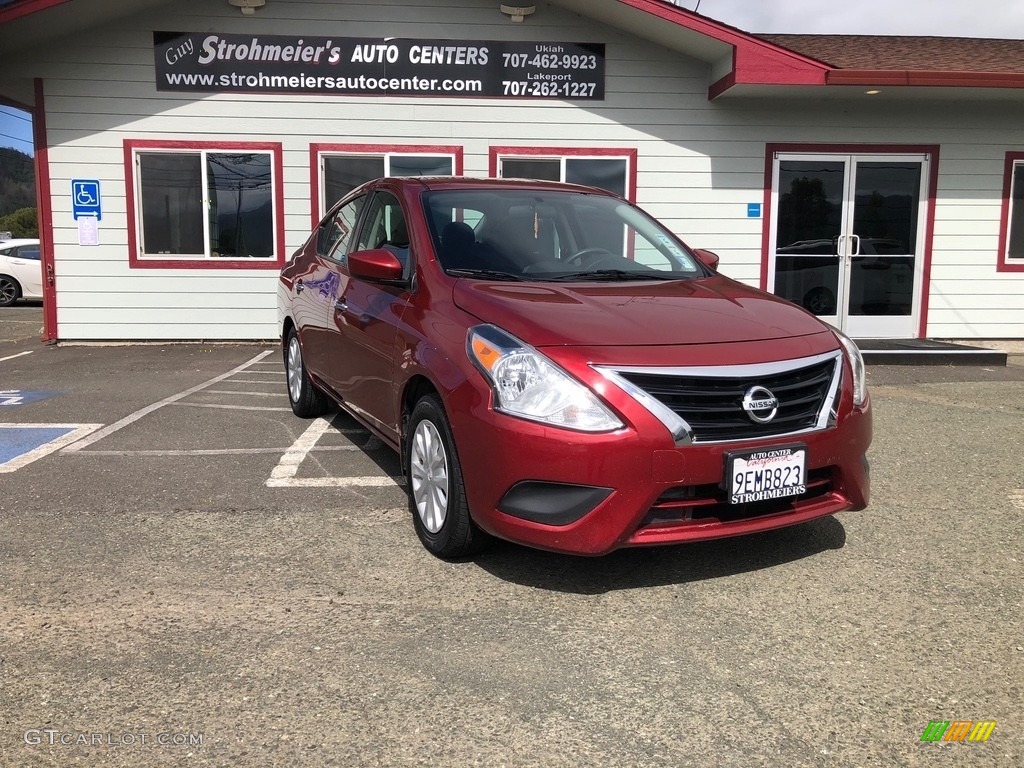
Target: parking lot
x=190 y=575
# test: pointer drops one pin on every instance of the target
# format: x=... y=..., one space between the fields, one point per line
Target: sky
x=944 y=18
x=962 y=18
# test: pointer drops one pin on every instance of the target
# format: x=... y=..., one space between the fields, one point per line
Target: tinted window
x=552 y=235
x=335 y=236
x=172 y=195
x=384 y=227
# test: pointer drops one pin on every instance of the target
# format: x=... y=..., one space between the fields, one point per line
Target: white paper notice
x=88 y=231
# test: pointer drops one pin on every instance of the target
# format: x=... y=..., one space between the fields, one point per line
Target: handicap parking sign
x=85 y=198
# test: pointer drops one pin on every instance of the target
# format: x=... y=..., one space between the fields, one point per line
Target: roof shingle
x=880 y=52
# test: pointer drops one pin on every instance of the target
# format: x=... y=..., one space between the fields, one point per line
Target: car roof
x=18 y=241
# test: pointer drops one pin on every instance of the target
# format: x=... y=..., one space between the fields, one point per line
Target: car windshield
x=552 y=235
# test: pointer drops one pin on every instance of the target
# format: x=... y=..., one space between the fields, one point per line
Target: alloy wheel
x=429 y=476
x=294 y=369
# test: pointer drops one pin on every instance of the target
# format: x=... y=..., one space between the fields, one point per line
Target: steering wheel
x=591 y=257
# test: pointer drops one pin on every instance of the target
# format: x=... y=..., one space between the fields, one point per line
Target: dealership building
x=184 y=149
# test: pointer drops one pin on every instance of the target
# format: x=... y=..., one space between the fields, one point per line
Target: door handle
x=299 y=287
x=855 y=239
x=341 y=306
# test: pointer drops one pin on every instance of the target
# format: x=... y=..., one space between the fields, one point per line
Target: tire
x=437 y=494
x=10 y=291
x=306 y=400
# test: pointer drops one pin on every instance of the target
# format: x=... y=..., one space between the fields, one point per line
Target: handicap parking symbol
x=85 y=198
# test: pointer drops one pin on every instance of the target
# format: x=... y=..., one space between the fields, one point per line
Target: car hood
x=710 y=311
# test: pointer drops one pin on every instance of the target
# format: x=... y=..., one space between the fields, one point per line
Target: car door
x=365 y=321
x=27 y=268
x=317 y=277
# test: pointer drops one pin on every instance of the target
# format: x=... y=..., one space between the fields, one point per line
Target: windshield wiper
x=484 y=274
x=612 y=274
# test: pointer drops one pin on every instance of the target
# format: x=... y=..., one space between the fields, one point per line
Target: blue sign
x=753 y=210
x=85 y=198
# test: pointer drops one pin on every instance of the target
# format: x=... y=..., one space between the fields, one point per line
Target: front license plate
x=767 y=474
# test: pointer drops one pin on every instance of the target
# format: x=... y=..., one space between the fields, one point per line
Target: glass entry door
x=846 y=239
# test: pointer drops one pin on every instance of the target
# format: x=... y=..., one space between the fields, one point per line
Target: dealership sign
x=221 y=63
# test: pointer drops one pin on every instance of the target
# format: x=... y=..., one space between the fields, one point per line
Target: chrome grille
x=706 y=404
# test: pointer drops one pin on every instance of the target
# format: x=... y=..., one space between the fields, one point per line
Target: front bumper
x=648 y=490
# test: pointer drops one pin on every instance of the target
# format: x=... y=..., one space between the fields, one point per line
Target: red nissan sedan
x=558 y=369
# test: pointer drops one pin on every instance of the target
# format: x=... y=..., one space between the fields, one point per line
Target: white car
x=21 y=272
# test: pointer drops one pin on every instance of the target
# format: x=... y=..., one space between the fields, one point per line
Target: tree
x=17 y=181
x=21 y=223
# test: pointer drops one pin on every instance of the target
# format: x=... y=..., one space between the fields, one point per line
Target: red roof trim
x=17 y=10
x=932 y=78
x=754 y=62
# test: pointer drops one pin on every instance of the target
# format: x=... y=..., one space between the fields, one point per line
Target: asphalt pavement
x=190 y=575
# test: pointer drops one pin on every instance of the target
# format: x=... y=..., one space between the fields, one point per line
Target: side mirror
x=707 y=258
x=375 y=264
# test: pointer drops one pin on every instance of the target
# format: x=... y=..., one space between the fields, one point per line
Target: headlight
x=529 y=385
x=860 y=384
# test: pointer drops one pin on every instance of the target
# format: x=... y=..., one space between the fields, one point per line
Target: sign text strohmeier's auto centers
x=216 y=62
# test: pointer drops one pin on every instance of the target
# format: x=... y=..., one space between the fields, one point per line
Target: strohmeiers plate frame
x=789 y=459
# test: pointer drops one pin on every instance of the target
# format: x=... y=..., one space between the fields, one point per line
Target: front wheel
x=437 y=496
x=306 y=400
x=9 y=290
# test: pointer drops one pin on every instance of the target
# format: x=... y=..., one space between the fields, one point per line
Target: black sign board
x=222 y=63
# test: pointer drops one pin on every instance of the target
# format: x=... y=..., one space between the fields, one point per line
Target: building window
x=340 y=168
x=1011 y=235
x=610 y=169
x=204 y=205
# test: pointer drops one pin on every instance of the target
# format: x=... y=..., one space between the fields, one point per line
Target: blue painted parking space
x=21 y=444
x=11 y=397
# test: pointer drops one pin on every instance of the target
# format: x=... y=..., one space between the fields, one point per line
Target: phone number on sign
x=550 y=60
x=547 y=88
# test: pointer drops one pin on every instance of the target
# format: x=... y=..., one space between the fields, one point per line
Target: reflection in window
x=1015 y=235
x=336 y=232
x=343 y=173
x=810 y=206
x=241 y=204
x=545 y=170
x=596 y=172
x=171 y=188
x=886 y=206
x=206 y=204
x=605 y=173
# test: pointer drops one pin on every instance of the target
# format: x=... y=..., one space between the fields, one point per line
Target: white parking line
x=11 y=357
x=215 y=451
x=1017 y=498
x=133 y=417
x=248 y=392
x=371 y=481
x=234 y=407
x=283 y=475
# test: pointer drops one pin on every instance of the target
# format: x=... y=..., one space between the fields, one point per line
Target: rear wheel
x=306 y=400
x=437 y=495
x=9 y=290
